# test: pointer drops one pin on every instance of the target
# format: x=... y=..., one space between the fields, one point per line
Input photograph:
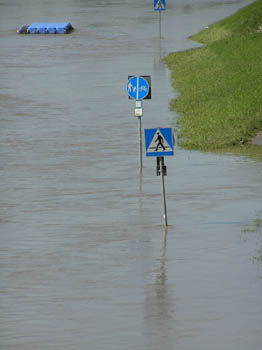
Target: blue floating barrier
x=46 y=28
x=51 y=30
x=42 y=30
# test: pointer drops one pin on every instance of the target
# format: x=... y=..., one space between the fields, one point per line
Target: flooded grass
x=258 y=258
x=220 y=84
x=256 y=227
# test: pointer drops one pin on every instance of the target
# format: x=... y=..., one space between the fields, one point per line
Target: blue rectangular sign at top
x=159 y=142
x=159 y=5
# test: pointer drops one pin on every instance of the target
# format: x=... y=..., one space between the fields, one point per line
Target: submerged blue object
x=47 y=28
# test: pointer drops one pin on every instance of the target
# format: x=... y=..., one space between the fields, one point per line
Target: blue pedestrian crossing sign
x=159 y=5
x=137 y=88
x=159 y=142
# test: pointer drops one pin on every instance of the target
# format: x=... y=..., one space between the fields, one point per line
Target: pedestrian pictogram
x=159 y=5
x=159 y=142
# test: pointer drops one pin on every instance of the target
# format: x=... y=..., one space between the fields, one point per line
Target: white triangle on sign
x=159 y=143
x=159 y=5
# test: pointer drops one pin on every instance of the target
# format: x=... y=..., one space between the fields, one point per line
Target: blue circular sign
x=137 y=88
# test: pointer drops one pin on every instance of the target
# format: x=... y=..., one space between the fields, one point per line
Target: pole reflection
x=159 y=305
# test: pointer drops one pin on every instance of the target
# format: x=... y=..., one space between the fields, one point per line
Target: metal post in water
x=138 y=114
x=163 y=173
x=159 y=24
x=164 y=240
x=140 y=142
x=159 y=143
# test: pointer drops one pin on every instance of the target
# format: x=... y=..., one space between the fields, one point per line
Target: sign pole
x=138 y=114
x=159 y=142
x=159 y=24
x=138 y=88
x=160 y=5
x=140 y=141
x=163 y=172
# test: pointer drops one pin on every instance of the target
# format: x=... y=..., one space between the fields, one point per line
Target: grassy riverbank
x=220 y=83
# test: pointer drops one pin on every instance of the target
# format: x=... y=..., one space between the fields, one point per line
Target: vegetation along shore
x=220 y=84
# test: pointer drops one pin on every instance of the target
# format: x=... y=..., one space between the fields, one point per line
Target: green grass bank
x=220 y=84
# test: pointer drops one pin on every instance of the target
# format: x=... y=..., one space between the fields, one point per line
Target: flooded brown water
x=85 y=262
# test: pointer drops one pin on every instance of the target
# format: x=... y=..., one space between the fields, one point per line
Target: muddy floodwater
x=85 y=261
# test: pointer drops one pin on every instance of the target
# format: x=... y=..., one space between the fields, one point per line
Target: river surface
x=85 y=262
